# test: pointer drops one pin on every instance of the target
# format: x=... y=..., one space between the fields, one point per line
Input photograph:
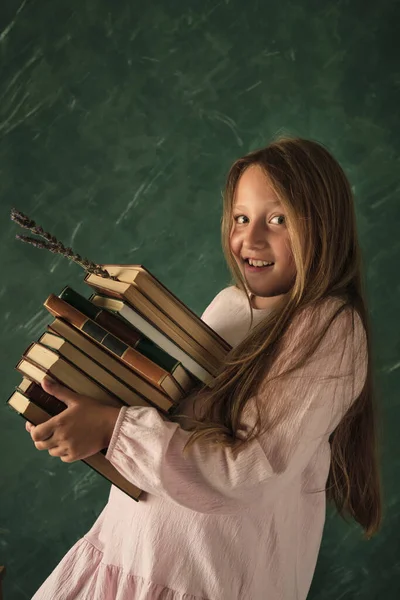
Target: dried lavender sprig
x=37 y=243
x=27 y=223
x=55 y=246
x=67 y=252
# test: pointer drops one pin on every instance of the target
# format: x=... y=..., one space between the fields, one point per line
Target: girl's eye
x=238 y=217
x=242 y=219
x=281 y=217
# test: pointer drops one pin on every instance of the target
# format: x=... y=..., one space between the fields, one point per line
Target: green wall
x=118 y=123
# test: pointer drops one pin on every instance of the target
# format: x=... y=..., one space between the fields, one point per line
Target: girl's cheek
x=234 y=242
x=234 y=249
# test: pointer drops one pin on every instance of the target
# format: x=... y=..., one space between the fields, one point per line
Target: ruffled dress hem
x=82 y=575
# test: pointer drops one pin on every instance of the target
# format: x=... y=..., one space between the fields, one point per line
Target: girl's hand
x=84 y=428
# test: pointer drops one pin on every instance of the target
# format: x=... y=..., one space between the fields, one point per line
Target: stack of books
x=131 y=343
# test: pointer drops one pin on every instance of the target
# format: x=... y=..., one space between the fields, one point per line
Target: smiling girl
x=236 y=485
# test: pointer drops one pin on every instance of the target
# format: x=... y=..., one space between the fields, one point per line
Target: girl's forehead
x=254 y=178
x=254 y=186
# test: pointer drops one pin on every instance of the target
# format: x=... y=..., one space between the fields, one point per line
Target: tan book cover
x=131 y=293
x=171 y=305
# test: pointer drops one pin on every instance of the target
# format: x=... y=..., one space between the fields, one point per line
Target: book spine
x=119 y=328
x=162 y=340
x=134 y=298
x=183 y=377
x=45 y=401
x=130 y=356
x=129 y=335
x=156 y=354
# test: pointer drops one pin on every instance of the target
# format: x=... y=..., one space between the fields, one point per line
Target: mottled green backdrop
x=118 y=122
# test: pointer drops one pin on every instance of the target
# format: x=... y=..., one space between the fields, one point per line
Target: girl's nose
x=256 y=236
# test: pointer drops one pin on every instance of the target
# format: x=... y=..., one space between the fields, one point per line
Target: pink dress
x=211 y=526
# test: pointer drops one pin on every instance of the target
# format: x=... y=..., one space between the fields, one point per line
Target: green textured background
x=118 y=123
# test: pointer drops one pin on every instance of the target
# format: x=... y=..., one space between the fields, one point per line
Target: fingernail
x=50 y=383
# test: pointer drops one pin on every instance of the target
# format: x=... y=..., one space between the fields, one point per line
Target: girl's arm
x=147 y=449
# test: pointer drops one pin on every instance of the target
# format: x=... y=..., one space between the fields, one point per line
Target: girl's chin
x=267 y=292
x=263 y=302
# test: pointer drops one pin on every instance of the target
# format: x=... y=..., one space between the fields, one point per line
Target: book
x=157 y=337
x=64 y=312
x=102 y=371
x=38 y=396
x=148 y=350
x=39 y=361
x=36 y=415
x=176 y=310
x=128 y=334
x=31 y=411
x=151 y=362
x=105 y=319
x=156 y=376
x=131 y=294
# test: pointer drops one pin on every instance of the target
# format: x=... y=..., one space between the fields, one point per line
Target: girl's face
x=259 y=233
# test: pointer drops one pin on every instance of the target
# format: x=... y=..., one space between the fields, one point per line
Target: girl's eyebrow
x=271 y=204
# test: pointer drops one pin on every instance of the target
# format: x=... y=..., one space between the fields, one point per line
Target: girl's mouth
x=250 y=268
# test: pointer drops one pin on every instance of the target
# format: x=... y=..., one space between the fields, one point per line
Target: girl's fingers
x=41 y=443
x=41 y=435
x=29 y=427
x=58 y=452
x=59 y=391
x=46 y=445
x=43 y=432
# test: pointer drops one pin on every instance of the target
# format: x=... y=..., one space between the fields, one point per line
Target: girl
x=235 y=486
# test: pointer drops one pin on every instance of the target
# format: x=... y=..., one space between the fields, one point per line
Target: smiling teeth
x=259 y=263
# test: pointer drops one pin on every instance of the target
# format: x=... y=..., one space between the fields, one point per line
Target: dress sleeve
x=147 y=449
x=215 y=305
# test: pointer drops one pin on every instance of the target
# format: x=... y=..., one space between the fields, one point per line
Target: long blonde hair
x=319 y=208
